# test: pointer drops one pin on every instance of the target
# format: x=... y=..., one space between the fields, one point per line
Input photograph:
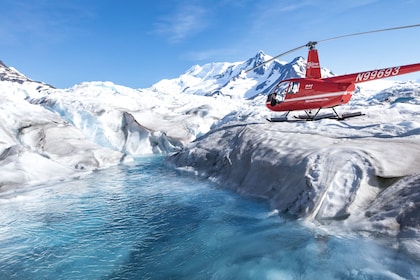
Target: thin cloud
x=211 y=54
x=185 y=22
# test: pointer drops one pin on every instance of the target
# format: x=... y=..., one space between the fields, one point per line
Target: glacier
x=358 y=174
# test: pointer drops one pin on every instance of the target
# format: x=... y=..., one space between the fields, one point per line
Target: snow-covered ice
x=361 y=172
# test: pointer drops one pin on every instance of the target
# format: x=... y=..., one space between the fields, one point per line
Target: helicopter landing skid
x=315 y=117
x=329 y=116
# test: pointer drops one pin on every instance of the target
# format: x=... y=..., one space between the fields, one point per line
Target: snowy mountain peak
x=10 y=74
x=261 y=57
x=299 y=62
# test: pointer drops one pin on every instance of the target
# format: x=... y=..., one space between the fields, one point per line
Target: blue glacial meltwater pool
x=145 y=221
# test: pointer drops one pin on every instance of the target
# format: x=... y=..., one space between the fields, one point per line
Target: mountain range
x=232 y=79
x=218 y=78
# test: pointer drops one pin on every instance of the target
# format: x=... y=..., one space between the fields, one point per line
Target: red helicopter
x=315 y=93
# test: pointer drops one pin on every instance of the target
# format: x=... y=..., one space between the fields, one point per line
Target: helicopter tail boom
x=376 y=74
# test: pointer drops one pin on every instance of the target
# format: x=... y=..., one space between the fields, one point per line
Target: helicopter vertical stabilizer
x=313 y=68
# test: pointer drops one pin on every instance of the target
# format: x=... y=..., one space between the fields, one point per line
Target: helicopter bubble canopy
x=282 y=89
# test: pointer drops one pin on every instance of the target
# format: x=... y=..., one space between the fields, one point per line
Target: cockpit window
x=279 y=93
x=293 y=87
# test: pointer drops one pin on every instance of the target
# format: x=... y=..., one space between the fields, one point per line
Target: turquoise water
x=146 y=221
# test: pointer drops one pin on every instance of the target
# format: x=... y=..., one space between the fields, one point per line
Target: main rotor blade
x=312 y=43
x=368 y=32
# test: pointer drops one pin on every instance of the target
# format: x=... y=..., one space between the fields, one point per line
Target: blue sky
x=138 y=43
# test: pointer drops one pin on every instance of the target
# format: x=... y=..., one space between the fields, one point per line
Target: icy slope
x=325 y=170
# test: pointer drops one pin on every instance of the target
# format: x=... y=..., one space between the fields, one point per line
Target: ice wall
x=37 y=145
x=311 y=175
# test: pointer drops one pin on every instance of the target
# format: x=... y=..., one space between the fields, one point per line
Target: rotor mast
x=311 y=45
